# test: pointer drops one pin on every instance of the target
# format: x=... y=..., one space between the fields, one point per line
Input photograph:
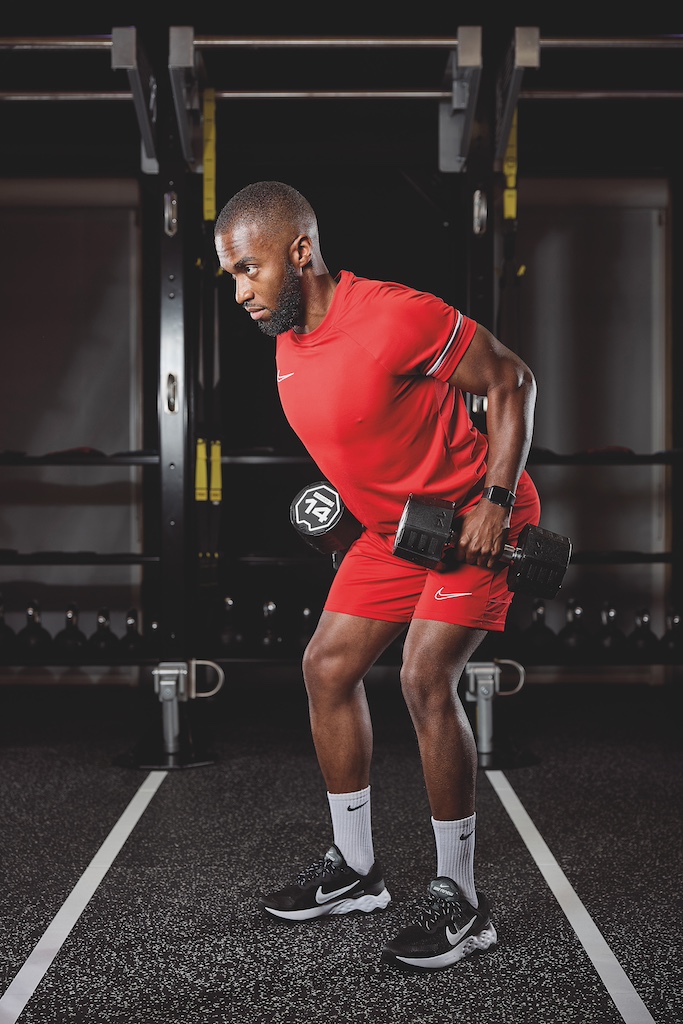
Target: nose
x=243 y=291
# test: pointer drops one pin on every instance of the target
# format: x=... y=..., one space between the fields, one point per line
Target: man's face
x=266 y=283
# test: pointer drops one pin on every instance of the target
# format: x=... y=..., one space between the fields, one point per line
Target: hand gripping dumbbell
x=321 y=518
x=426 y=532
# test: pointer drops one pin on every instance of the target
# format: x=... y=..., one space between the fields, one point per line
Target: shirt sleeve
x=419 y=334
x=452 y=352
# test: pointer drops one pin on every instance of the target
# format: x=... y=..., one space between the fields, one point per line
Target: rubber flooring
x=171 y=932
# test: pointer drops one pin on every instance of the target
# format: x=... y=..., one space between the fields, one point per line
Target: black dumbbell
x=427 y=531
x=321 y=518
x=71 y=639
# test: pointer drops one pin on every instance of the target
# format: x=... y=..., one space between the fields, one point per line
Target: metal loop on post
x=520 y=672
x=194 y=692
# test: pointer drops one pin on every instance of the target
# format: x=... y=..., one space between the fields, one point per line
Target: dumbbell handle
x=509 y=554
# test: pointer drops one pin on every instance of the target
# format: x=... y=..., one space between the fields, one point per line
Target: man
x=371 y=377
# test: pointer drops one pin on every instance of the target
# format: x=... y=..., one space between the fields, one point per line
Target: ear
x=301 y=252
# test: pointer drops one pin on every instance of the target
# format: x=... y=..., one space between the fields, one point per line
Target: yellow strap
x=510 y=172
x=209 y=136
x=201 y=491
x=510 y=204
x=216 y=487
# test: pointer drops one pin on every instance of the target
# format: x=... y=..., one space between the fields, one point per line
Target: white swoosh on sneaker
x=325 y=897
x=284 y=376
x=455 y=937
x=440 y=596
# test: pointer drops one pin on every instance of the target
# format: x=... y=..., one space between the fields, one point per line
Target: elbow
x=527 y=382
x=515 y=383
x=516 y=393
x=519 y=380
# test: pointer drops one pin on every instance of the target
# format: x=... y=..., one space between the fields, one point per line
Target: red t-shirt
x=366 y=393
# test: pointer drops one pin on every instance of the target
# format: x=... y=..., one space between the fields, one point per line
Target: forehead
x=247 y=242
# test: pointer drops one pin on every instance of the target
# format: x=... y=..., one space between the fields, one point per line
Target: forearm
x=489 y=368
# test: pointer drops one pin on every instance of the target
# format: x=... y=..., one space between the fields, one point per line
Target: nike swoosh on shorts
x=440 y=596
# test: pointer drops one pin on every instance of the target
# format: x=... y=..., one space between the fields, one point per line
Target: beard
x=286 y=313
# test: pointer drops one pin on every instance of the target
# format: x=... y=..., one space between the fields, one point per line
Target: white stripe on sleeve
x=449 y=344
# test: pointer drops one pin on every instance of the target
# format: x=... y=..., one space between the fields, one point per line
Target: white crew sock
x=352 y=828
x=455 y=853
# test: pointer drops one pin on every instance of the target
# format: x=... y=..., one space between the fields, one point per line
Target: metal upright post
x=172 y=395
x=483 y=684
x=175 y=748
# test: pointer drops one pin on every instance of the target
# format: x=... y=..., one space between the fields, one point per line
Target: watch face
x=500 y=496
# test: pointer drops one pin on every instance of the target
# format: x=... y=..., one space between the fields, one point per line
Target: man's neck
x=318 y=301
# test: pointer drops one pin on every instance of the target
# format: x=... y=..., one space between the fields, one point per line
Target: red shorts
x=374 y=583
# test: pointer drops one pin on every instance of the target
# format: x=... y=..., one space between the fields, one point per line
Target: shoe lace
x=437 y=909
x=324 y=866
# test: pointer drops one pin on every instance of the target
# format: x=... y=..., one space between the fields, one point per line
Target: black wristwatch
x=500 y=496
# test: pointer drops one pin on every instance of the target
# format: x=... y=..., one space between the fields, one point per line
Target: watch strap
x=500 y=496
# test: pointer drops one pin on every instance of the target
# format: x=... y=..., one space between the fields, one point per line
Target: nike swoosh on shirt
x=440 y=596
x=325 y=897
x=455 y=937
x=284 y=376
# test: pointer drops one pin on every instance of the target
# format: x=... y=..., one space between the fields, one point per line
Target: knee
x=426 y=688
x=323 y=668
x=314 y=661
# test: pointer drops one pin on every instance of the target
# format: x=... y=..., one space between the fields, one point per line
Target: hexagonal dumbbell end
x=321 y=518
x=538 y=562
x=425 y=530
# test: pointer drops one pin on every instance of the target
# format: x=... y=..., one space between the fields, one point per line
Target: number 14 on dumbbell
x=428 y=529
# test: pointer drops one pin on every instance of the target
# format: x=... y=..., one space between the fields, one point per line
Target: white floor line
x=628 y=1002
x=20 y=990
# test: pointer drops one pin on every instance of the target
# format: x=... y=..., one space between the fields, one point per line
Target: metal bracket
x=127 y=55
x=456 y=116
x=187 y=74
x=524 y=52
x=175 y=683
x=170 y=685
x=483 y=683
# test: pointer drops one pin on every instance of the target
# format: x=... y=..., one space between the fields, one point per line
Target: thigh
x=347 y=646
x=435 y=650
x=373 y=583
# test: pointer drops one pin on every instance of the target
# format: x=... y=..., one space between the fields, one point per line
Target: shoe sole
x=366 y=903
x=478 y=943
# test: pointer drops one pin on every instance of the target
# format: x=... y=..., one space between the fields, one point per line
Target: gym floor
x=128 y=891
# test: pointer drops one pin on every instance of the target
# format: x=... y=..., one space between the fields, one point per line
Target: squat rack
x=524 y=54
x=127 y=54
x=458 y=98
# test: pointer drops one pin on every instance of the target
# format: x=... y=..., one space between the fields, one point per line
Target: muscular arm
x=489 y=368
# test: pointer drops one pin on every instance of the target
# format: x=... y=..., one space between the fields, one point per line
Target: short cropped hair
x=271 y=203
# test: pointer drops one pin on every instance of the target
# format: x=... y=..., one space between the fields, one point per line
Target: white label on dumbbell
x=318 y=508
x=321 y=512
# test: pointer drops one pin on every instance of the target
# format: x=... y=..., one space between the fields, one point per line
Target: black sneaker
x=329 y=886
x=450 y=929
